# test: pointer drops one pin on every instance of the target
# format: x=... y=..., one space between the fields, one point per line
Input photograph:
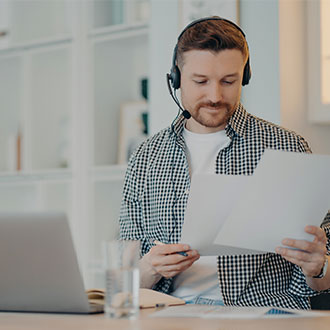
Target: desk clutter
x=147 y=298
x=232 y=312
x=168 y=307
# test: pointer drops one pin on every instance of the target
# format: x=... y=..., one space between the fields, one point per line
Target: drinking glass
x=122 y=278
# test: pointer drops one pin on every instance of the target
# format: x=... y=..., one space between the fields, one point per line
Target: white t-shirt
x=201 y=279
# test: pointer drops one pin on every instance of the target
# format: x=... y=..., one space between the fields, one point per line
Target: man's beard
x=220 y=118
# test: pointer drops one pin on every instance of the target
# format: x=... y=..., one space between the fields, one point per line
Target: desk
x=17 y=321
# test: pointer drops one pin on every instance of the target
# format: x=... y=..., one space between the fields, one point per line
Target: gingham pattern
x=155 y=197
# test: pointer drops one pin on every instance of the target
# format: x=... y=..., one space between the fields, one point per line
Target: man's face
x=211 y=87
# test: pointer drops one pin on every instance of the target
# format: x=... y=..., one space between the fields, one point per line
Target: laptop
x=39 y=267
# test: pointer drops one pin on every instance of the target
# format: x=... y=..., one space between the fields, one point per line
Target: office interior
x=83 y=82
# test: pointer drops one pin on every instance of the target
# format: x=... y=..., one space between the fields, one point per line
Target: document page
x=211 y=200
x=250 y=214
x=232 y=312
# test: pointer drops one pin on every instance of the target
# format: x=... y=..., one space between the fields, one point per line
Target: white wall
x=163 y=37
x=259 y=21
x=293 y=76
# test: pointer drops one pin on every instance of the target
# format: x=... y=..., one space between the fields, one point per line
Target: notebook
x=39 y=267
x=147 y=298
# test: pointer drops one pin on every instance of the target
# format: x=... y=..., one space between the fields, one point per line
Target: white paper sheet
x=232 y=312
x=209 y=311
x=248 y=214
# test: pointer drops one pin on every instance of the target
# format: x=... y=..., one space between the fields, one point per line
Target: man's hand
x=310 y=256
x=163 y=261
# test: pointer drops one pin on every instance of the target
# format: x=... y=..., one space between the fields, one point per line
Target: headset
x=174 y=77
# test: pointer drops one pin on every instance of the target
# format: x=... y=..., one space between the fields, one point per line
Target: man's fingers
x=173 y=270
x=317 y=232
x=310 y=247
x=295 y=254
x=182 y=265
x=165 y=260
x=308 y=255
x=173 y=259
x=309 y=268
x=310 y=263
x=170 y=248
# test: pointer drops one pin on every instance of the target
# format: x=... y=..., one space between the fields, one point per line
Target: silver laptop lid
x=39 y=268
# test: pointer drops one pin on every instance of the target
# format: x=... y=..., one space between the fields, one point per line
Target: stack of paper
x=252 y=214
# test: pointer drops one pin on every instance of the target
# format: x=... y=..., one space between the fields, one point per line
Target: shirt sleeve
x=130 y=219
x=131 y=222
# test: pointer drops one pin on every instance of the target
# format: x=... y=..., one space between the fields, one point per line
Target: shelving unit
x=66 y=69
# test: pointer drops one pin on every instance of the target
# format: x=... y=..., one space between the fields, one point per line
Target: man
x=214 y=134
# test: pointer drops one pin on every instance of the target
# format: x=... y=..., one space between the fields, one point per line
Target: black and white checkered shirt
x=155 y=196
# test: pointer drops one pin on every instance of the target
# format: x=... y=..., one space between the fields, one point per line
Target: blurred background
x=82 y=83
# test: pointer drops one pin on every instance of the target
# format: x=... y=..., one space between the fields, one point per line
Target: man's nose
x=215 y=93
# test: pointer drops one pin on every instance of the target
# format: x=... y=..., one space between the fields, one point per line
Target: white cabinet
x=66 y=69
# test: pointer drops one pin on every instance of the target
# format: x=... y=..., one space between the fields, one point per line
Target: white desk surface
x=15 y=321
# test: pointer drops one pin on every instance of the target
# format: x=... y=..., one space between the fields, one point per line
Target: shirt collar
x=177 y=129
x=236 y=125
x=237 y=122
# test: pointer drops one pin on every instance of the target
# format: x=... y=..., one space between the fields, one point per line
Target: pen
x=182 y=253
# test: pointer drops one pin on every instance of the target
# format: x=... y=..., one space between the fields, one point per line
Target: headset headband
x=175 y=75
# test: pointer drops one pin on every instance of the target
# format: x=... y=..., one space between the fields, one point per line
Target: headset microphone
x=185 y=112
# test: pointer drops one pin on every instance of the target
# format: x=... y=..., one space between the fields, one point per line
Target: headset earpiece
x=175 y=77
x=175 y=74
x=246 y=73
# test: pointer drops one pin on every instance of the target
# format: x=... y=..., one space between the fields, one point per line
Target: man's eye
x=227 y=82
x=200 y=82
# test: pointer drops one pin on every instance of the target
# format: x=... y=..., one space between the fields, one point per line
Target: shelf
x=55 y=175
x=108 y=173
x=36 y=44
x=33 y=20
x=119 y=31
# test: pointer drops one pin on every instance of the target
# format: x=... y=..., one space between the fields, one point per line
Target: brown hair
x=214 y=35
